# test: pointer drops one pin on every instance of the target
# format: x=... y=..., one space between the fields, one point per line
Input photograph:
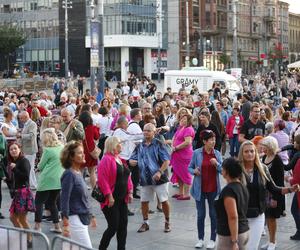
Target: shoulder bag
x=95 y=153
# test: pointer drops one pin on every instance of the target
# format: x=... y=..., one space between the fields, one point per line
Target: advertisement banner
x=94 y=44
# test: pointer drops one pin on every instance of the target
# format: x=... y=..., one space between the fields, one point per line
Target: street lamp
x=66 y=4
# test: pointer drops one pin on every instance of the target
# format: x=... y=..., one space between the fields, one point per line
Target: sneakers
x=199 y=244
x=265 y=246
x=271 y=246
x=143 y=228
x=167 y=227
x=211 y=245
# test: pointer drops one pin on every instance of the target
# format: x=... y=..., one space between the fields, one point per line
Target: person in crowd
x=104 y=126
x=205 y=124
x=153 y=179
x=134 y=129
x=269 y=128
x=182 y=151
x=269 y=114
x=216 y=120
x=231 y=209
x=72 y=128
x=75 y=207
x=258 y=181
x=206 y=167
x=8 y=129
x=23 y=200
x=124 y=110
x=158 y=113
x=246 y=107
x=282 y=139
x=91 y=135
x=275 y=204
x=146 y=110
x=55 y=122
x=289 y=124
x=106 y=103
x=3 y=166
x=35 y=104
x=295 y=155
x=115 y=183
x=28 y=138
x=233 y=127
x=252 y=126
x=295 y=207
x=72 y=106
x=49 y=185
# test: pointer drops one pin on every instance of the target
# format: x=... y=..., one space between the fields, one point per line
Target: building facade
x=40 y=22
x=294 y=37
x=133 y=31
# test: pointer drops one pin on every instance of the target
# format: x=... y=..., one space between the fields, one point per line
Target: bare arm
x=232 y=215
x=242 y=138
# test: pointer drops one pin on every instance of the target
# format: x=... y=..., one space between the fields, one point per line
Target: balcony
x=269 y=18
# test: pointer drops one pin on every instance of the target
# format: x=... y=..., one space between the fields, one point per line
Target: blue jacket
x=197 y=162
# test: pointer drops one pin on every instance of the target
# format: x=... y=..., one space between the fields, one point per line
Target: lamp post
x=187 y=58
x=66 y=4
x=234 y=44
x=159 y=16
x=101 y=72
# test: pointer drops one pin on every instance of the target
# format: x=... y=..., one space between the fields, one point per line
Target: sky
x=294 y=5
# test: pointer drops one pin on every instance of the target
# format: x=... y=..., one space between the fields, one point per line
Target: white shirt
x=72 y=108
x=96 y=119
x=125 y=90
x=135 y=93
x=105 y=123
x=129 y=142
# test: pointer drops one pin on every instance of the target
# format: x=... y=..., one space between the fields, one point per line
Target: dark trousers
x=80 y=89
x=117 y=220
x=48 y=203
x=40 y=198
x=295 y=212
x=201 y=213
x=234 y=145
x=135 y=177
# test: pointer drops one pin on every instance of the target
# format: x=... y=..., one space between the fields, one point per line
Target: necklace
x=250 y=172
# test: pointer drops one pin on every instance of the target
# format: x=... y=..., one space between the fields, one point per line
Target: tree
x=10 y=39
x=224 y=59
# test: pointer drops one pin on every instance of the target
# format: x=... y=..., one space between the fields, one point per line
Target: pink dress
x=180 y=159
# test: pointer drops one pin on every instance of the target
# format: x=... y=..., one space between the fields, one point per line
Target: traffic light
x=281 y=71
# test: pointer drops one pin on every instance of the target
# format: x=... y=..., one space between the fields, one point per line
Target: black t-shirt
x=250 y=130
x=121 y=182
x=240 y=193
x=199 y=142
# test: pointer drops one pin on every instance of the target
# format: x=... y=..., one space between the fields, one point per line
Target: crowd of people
x=133 y=140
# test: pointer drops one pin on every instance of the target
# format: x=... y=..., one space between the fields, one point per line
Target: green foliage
x=224 y=59
x=10 y=39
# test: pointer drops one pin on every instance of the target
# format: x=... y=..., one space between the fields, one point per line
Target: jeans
x=117 y=220
x=295 y=212
x=234 y=145
x=201 y=213
x=40 y=198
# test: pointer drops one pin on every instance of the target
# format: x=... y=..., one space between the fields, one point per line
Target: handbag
x=95 y=153
x=270 y=202
x=97 y=194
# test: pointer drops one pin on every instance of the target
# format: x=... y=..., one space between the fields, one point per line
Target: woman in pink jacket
x=115 y=183
x=233 y=126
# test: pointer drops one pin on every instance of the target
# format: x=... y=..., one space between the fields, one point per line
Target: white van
x=204 y=80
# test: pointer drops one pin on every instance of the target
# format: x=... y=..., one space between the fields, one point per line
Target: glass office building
x=40 y=22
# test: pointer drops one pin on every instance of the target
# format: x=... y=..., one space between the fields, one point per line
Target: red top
x=208 y=173
x=296 y=180
x=42 y=110
x=92 y=134
x=231 y=123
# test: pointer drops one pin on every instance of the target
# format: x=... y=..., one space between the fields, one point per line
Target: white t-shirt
x=96 y=119
x=105 y=123
x=126 y=90
x=135 y=93
x=72 y=108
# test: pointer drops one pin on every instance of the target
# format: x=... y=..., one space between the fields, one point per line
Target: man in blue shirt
x=152 y=159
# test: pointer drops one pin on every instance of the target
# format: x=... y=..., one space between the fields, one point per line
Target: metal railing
x=62 y=243
x=12 y=238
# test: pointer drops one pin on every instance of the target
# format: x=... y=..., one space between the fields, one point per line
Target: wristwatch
x=234 y=241
x=161 y=172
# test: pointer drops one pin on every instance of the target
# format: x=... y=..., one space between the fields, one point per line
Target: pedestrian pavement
x=183 y=221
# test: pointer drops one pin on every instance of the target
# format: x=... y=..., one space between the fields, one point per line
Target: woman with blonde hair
x=275 y=202
x=124 y=110
x=49 y=185
x=55 y=122
x=258 y=180
x=8 y=129
x=115 y=183
x=269 y=114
